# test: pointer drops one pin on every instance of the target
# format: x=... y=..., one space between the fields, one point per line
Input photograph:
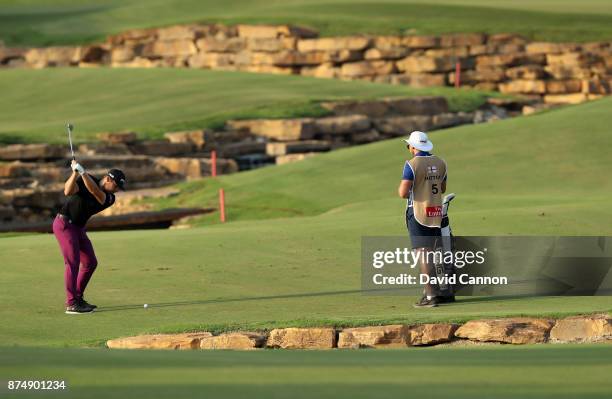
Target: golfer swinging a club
x=87 y=195
x=423 y=183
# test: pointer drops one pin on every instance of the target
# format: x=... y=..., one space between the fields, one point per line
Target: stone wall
x=352 y=123
x=552 y=72
x=517 y=331
x=32 y=175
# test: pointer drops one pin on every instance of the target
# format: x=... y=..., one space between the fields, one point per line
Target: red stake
x=457 y=74
x=222 y=204
x=213 y=161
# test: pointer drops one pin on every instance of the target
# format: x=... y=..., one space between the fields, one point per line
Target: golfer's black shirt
x=83 y=205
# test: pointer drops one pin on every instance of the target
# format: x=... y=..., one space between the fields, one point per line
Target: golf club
x=69 y=127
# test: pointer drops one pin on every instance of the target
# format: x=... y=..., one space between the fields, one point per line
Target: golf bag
x=445 y=244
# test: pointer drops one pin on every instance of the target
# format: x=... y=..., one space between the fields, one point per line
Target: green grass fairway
x=37 y=22
x=292 y=272
x=506 y=372
x=36 y=104
x=520 y=176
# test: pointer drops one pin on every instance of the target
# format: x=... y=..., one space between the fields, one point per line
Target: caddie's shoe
x=78 y=309
x=426 y=303
x=446 y=299
x=83 y=302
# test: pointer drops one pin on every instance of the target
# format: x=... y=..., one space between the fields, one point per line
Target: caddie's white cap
x=419 y=141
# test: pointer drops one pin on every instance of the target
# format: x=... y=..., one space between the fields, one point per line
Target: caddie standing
x=87 y=195
x=423 y=183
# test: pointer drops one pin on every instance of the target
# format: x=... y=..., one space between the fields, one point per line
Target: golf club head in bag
x=445 y=244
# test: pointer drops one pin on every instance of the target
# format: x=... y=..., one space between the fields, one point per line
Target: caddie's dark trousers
x=77 y=251
x=421 y=236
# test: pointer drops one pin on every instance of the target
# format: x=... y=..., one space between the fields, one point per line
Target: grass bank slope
x=540 y=174
x=36 y=104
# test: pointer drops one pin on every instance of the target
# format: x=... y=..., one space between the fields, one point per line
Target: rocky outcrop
x=277 y=129
x=343 y=124
x=374 y=337
x=582 y=329
x=53 y=57
x=405 y=106
x=590 y=328
x=352 y=123
x=511 y=331
x=505 y=62
x=235 y=341
x=283 y=159
x=31 y=204
x=15 y=169
x=302 y=338
x=32 y=152
x=161 y=148
x=399 y=335
x=194 y=168
x=403 y=125
x=196 y=138
x=159 y=341
x=118 y=137
x=32 y=175
x=293 y=147
x=431 y=334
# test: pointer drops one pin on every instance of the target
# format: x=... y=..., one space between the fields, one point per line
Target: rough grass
x=36 y=104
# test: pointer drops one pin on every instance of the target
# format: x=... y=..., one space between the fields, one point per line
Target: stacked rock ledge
x=555 y=73
x=32 y=175
x=517 y=331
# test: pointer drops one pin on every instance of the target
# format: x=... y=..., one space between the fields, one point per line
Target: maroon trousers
x=77 y=251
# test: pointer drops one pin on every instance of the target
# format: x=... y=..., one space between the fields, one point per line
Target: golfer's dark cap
x=118 y=177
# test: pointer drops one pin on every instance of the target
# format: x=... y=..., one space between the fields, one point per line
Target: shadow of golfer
x=243 y=299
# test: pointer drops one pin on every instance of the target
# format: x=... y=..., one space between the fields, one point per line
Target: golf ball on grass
x=146 y=305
